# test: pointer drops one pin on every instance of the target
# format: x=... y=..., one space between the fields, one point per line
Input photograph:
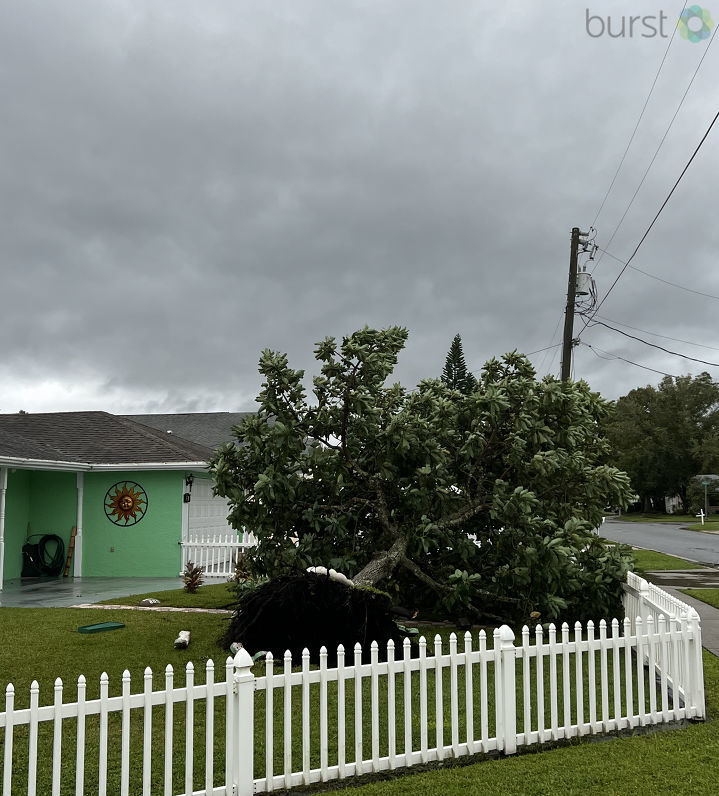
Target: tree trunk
x=383 y=564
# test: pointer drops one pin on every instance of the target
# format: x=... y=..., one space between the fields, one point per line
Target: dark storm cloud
x=186 y=184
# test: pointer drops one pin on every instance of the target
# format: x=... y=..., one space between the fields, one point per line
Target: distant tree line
x=664 y=436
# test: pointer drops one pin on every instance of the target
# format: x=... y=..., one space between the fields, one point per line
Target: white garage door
x=207 y=512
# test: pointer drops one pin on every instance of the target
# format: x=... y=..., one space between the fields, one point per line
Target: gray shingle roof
x=211 y=429
x=94 y=438
x=12 y=444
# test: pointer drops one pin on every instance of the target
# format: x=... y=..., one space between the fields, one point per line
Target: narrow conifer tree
x=455 y=373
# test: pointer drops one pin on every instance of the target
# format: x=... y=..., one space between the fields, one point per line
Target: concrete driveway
x=65 y=592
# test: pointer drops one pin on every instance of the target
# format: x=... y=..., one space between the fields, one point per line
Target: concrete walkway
x=66 y=592
x=156 y=608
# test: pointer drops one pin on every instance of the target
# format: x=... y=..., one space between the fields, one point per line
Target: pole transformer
x=568 y=341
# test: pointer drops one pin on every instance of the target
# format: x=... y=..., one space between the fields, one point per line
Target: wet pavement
x=686 y=578
x=671 y=538
x=67 y=592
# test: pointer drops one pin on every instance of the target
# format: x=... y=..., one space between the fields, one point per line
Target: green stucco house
x=133 y=487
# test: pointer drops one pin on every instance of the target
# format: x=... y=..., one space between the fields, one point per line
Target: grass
x=681 y=761
x=708 y=596
x=650 y=561
x=712 y=525
x=46 y=645
x=681 y=519
x=214 y=595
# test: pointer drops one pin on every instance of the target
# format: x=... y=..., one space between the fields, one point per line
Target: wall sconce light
x=189 y=480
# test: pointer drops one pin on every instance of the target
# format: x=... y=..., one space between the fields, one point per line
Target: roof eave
x=150 y=466
x=23 y=463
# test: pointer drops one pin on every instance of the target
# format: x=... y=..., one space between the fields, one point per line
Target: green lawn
x=682 y=519
x=214 y=595
x=650 y=560
x=712 y=525
x=45 y=644
x=708 y=596
x=681 y=761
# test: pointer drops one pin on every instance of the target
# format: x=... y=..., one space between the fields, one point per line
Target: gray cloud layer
x=184 y=184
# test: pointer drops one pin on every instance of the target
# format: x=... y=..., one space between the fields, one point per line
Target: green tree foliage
x=662 y=436
x=455 y=374
x=695 y=495
x=385 y=484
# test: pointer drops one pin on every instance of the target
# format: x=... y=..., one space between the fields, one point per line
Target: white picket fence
x=216 y=554
x=642 y=598
x=316 y=723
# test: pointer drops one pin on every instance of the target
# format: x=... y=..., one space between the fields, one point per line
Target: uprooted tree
x=387 y=484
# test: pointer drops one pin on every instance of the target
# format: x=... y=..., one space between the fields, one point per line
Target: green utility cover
x=100 y=627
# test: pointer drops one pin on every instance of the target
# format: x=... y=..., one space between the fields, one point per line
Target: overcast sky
x=186 y=183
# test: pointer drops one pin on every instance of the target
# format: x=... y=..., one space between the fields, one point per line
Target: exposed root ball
x=309 y=610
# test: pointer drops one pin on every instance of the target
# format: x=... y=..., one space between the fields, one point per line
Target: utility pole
x=571 y=301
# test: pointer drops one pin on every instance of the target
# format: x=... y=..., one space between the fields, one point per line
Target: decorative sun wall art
x=125 y=503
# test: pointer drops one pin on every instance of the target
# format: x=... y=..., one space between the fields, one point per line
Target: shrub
x=192 y=577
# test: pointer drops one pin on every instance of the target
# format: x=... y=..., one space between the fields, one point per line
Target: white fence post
x=696 y=678
x=507 y=698
x=642 y=599
x=243 y=735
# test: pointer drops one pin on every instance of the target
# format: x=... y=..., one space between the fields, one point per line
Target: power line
x=554 y=334
x=674 y=284
x=550 y=366
x=661 y=142
x=607 y=358
x=659 y=278
x=654 y=220
x=539 y=350
x=628 y=361
x=654 y=345
x=531 y=353
x=656 y=334
x=636 y=126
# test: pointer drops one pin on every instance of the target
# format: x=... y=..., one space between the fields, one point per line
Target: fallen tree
x=387 y=484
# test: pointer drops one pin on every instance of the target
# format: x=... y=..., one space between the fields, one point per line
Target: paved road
x=671 y=539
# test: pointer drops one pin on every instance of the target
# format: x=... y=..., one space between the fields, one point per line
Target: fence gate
x=217 y=555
